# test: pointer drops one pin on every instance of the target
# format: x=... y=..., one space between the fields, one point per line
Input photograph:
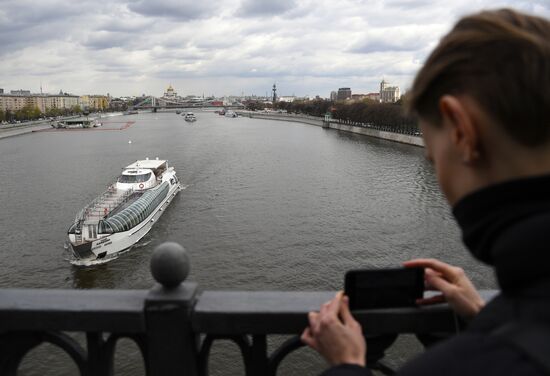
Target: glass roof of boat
x=136 y=212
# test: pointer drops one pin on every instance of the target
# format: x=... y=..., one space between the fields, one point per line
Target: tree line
x=29 y=112
x=386 y=116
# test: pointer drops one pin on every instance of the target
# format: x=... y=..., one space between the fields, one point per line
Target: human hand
x=452 y=282
x=335 y=334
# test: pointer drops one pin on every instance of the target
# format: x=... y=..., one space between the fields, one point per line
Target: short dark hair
x=501 y=59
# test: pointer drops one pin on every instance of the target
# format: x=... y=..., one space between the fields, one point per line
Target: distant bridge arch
x=155 y=104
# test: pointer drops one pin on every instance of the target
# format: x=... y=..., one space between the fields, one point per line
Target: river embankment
x=11 y=130
x=363 y=129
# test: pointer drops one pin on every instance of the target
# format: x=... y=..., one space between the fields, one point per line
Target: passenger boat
x=231 y=114
x=116 y=220
x=190 y=117
x=75 y=123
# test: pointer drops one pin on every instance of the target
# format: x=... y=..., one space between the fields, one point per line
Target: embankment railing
x=400 y=129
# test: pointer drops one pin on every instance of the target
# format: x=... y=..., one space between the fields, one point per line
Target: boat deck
x=105 y=204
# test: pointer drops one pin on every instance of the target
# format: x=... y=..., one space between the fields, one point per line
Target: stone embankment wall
x=371 y=132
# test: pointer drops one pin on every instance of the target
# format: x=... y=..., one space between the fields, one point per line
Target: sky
x=224 y=47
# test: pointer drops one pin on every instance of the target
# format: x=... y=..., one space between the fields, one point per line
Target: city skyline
x=223 y=48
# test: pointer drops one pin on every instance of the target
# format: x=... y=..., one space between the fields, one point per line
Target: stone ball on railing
x=170 y=264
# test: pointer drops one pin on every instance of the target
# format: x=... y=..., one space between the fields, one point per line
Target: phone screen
x=384 y=288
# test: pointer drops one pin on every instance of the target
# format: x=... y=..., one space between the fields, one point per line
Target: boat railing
x=104 y=204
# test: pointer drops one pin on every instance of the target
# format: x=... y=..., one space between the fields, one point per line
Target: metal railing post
x=172 y=347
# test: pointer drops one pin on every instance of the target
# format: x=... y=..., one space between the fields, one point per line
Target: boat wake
x=87 y=263
x=142 y=243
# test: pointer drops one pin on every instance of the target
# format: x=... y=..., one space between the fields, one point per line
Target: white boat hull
x=110 y=246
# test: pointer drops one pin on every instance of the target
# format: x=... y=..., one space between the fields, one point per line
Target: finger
x=431 y=300
x=434 y=264
x=345 y=313
x=336 y=303
x=314 y=322
x=307 y=338
x=312 y=317
x=331 y=307
x=432 y=271
x=439 y=284
x=429 y=275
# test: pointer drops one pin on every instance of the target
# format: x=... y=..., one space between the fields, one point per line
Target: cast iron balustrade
x=175 y=324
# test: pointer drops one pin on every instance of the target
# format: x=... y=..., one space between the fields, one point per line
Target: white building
x=170 y=93
x=288 y=99
x=389 y=94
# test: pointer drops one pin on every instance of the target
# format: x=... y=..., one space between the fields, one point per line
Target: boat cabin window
x=134 y=178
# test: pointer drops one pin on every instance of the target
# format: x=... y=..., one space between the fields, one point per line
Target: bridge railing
x=175 y=324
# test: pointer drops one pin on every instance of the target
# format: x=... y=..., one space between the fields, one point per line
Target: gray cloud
x=409 y=4
x=307 y=46
x=255 y=8
x=184 y=10
x=25 y=23
x=26 y=12
x=379 y=45
x=104 y=40
x=125 y=24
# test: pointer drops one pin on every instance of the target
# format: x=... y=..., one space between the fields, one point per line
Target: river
x=268 y=205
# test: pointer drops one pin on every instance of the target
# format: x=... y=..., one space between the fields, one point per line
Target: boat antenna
x=129 y=146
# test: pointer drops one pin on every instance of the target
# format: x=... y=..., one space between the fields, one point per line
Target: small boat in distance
x=75 y=123
x=116 y=220
x=231 y=114
x=130 y=112
x=190 y=117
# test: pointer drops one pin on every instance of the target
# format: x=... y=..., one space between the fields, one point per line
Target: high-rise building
x=1 y=91
x=14 y=102
x=343 y=93
x=20 y=92
x=389 y=94
x=333 y=95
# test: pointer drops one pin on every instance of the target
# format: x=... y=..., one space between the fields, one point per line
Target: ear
x=463 y=129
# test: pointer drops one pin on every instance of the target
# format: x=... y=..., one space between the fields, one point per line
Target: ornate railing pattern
x=401 y=129
x=174 y=324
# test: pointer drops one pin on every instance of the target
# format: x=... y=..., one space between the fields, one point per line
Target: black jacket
x=506 y=226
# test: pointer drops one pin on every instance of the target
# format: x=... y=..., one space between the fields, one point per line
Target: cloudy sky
x=223 y=47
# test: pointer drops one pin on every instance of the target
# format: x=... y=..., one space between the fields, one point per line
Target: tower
x=383 y=85
x=274 y=90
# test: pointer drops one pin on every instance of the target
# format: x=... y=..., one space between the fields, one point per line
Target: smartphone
x=384 y=288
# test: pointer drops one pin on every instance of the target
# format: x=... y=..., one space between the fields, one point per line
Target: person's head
x=483 y=101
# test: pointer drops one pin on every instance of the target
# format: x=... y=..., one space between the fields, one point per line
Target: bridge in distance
x=156 y=104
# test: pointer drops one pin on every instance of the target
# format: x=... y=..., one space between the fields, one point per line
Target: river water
x=269 y=205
